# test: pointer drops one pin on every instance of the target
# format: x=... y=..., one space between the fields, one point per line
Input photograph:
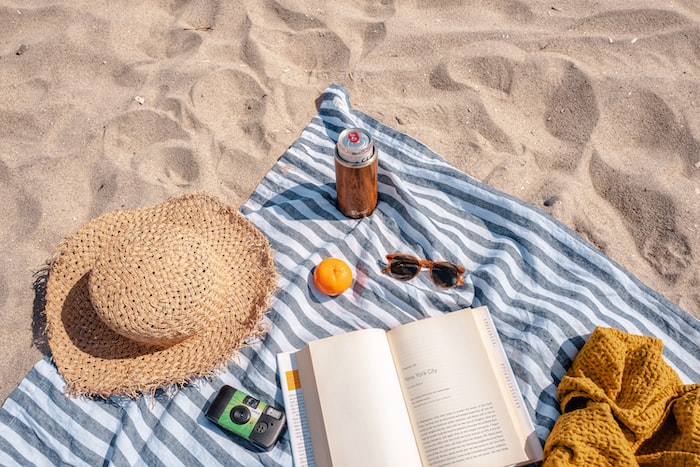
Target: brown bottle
x=356 y=162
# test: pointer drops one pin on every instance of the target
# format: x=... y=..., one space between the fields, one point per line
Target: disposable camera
x=247 y=417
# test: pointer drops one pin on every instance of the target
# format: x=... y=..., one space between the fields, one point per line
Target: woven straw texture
x=145 y=298
x=623 y=405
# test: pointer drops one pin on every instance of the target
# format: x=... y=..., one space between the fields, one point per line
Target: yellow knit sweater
x=623 y=405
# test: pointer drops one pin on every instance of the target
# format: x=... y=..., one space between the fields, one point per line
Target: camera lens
x=240 y=414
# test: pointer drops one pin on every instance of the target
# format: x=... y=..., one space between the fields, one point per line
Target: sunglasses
x=444 y=274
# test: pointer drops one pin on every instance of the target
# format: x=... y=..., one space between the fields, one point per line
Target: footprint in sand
x=308 y=51
x=554 y=96
x=22 y=124
x=184 y=35
x=170 y=165
x=154 y=146
x=190 y=139
x=130 y=132
x=497 y=72
x=650 y=217
x=197 y=16
x=373 y=35
x=18 y=207
x=302 y=43
x=304 y=40
x=640 y=130
x=641 y=121
x=232 y=104
x=565 y=120
x=169 y=43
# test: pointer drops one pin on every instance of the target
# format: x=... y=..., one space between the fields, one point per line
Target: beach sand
x=587 y=110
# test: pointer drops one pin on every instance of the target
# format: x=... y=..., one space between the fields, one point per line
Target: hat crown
x=158 y=287
x=156 y=296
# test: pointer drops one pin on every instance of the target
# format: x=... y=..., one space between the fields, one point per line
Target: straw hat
x=151 y=297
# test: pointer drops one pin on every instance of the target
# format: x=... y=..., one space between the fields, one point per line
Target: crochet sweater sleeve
x=623 y=405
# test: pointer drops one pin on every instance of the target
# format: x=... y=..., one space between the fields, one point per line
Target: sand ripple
x=588 y=111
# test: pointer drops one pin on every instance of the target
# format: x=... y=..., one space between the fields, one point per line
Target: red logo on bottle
x=354 y=137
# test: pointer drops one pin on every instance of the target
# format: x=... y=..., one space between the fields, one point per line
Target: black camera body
x=247 y=417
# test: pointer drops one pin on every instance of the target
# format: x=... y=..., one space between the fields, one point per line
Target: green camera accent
x=247 y=417
x=241 y=401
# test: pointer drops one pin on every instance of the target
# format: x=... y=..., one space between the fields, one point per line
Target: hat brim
x=96 y=361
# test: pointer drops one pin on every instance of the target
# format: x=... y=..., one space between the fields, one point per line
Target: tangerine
x=332 y=276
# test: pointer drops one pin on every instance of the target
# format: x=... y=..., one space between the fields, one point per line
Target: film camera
x=247 y=417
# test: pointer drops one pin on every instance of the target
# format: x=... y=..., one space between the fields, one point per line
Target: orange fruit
x=332 y=276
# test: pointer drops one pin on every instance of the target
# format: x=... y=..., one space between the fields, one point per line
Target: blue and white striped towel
x=546 y=289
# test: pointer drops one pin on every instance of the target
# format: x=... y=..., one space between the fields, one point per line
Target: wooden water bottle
x=356 y=162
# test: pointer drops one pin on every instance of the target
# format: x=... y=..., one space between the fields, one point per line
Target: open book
x=434 y=392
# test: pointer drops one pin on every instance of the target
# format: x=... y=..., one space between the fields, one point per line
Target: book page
x=295 y=409
x=489 y=336
x=354 y=403
x=454 y=393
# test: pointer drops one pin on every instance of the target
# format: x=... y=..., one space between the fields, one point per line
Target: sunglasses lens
x=445 y=274
x=404 y=267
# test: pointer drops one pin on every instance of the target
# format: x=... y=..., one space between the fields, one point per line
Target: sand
x=585 y=109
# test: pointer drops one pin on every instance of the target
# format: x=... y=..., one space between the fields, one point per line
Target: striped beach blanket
x=546 y=288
